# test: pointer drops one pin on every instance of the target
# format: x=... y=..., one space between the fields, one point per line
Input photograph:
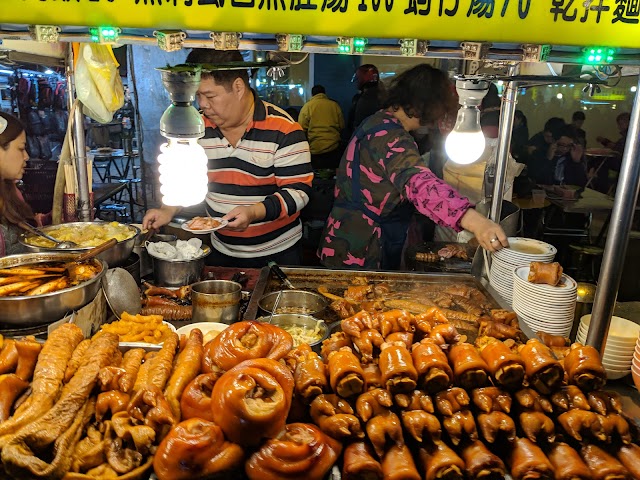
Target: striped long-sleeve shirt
x=270 y=164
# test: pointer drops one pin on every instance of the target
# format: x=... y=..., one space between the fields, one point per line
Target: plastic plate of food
x=201 y=225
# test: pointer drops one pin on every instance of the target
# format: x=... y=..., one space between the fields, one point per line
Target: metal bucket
x=176 y=273
x=509 y=216
x=216 y=301
x=146 y=264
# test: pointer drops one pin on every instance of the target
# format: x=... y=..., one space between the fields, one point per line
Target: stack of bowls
x=544 y=307
x=622 y=341
x=635 y=364
x=521 y=251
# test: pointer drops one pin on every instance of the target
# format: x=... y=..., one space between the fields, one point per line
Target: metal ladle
x=62 y=245
x=275 y=306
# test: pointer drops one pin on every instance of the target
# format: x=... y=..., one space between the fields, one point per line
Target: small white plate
x=124 y=346
x=567 y=285
x=223 y=223
x=522 y=246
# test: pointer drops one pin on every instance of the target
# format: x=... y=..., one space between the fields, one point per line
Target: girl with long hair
x=13 y=160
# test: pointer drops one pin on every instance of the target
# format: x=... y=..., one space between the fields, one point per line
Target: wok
x=115 y=256
x=27 y=311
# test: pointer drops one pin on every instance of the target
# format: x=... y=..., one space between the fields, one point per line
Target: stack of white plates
x=622 y=339
x=544 y=307
x=521 y=251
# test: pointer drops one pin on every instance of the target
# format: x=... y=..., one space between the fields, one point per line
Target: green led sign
x=351 y=45
x=359 y=44
x=598 y=55
x=104 y=34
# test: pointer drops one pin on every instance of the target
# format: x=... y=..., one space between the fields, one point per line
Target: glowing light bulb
x=465 y=143
x=183 y=172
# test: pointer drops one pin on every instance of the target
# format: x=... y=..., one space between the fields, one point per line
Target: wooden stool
x=585 y=262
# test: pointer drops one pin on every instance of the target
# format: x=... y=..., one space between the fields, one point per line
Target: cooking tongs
x=281 y=275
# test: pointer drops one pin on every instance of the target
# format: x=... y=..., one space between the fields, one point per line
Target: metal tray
x=338 y=280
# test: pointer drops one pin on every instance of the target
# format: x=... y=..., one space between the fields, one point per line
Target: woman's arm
x=441 y=203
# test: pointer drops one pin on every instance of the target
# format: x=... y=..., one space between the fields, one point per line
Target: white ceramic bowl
x=612 y=342
x=615 y=350
x=617 y=357
x=209 y=329
x=620 y=329
x=616 y=374
x=616 y=365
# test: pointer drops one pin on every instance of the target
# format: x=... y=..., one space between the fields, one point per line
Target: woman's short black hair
x=219 y=57
x=423 y=92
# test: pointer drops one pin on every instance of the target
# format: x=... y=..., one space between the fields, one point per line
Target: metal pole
x=615 y=249
x=507 y=113
x=82 y=195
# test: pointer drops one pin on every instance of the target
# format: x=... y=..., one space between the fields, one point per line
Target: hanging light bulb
x=466 y=142
x=183 y=161
x=183 y=172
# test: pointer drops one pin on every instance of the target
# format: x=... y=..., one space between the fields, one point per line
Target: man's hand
x=158 y=217
x=577 y=152
x=551 y=152
x=241 y=217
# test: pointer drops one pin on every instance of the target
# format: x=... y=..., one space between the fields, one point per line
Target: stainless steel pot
x=146 y=265
x=50 y=307
x=216 y=301
x=299 y=302
x=115 y=256
x=175 y=273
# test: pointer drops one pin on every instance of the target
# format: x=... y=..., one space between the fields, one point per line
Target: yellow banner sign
x=614 y=23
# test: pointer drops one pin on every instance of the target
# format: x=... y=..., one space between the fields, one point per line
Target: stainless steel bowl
x=50 y=307
x=175 y=273
x=115 y=256
x=305 y=321
x=293 y=301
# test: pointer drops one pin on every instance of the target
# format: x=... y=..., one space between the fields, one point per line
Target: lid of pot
x=121 y=291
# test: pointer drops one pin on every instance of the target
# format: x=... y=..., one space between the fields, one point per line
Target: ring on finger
x=494 y=239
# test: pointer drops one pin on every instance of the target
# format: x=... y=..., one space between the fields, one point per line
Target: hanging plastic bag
x=98 y=83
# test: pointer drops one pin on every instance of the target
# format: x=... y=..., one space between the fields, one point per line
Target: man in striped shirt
x=259 y=170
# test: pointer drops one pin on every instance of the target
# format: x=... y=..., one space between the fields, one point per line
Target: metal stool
x=118 y=210
x=102 y=166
